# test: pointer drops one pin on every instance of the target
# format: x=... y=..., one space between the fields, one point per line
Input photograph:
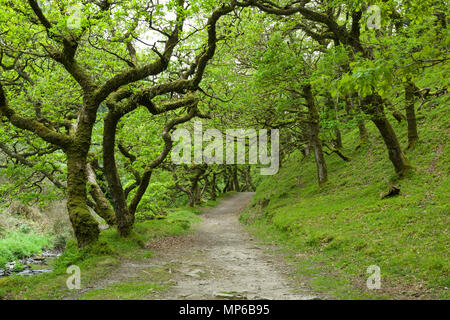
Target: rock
x=50 y=254
x=10 y=265
x=4 y=273
x=33 y=272
x=230 y=295
x=197 y=273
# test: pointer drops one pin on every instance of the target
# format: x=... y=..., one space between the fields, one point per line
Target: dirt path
x=219 y=260
x=223 y=261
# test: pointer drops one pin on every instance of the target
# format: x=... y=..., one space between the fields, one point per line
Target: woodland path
x=219 y=260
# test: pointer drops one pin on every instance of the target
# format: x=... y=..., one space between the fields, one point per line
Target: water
x=37 y=264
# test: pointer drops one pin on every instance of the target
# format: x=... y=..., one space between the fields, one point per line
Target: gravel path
x=218 y=260
x=222 y=261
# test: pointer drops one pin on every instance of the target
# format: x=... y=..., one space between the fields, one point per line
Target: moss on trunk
x=314 y=126
x=102 y=206
x=373 y=105
x=413 y=136
x=84 y=225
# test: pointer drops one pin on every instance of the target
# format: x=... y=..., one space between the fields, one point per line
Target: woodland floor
x=218 y=260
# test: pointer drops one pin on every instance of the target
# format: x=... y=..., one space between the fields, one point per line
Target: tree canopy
x=91 y=92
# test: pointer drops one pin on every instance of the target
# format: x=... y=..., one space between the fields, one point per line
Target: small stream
x=42 y=263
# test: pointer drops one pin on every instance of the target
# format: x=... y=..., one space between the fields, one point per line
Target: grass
x=128 y=290
x=334 y=233
x=16 y=245
x=143 y=286
x=98 y=261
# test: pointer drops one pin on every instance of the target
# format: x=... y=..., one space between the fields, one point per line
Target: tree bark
x=413 y=136
x=84 y=225
x=102 y=206
x=112 y=175
x=236 y=186
x=125 y=215
x=212 y=185
x=363 y=134
x=248 y=179
x=373 y=105
x=331 y=104
x=338 y=140
x=313 y=120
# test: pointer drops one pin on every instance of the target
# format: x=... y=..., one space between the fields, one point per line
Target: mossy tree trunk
x=76 y=147
x=112 y=175
x=350 y=109
x=332 y=105
x=338 y=140
x=248 y=179
x=363 y=133
x=125 y=214
x=102 y=206
x=373 y=105
x=236 y=186
x=84 y=225
x=413 y=136
x=313 y=120
x=212 y=186
x=77 y=143
x=195 y=191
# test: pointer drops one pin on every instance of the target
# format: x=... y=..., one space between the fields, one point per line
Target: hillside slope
x=334 y=233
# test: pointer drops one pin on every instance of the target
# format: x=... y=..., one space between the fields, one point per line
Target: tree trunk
x=195 y=191
x=84 y=225
x=338 y=140
x=123 y=219
x=198 y=197
x=373 y=105
x=363 y=134
x=138 y=196
x=313 y=119
x=413 y=136
x=191 y=201
x=212 y=185
x=249 y=179
x=306 y=150
x=102 y=206
x=331 y=104
x=227 y=181
x=236 y=186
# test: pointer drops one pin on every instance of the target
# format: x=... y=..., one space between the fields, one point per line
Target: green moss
x=125 y=290
x=99 y=259
x=18 y=266
x=84 y=225
x=334 y=233
x=16 y=245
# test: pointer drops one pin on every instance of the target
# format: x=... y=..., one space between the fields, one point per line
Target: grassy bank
x=99 y=261
x=16 y=245
x=27 y=230
x=333 y=234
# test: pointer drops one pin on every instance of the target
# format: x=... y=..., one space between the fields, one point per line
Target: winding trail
x=222 y=261
x=218 y=260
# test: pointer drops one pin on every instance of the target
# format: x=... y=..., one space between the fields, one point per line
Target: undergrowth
x=336 y=232
x=97 y=261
